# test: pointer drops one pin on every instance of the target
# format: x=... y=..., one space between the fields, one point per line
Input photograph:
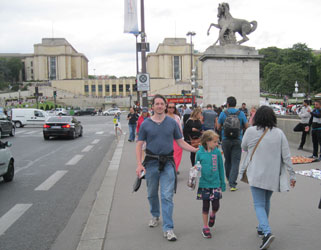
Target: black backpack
x=232 y=125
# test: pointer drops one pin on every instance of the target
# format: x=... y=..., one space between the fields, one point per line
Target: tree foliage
x=281 y=68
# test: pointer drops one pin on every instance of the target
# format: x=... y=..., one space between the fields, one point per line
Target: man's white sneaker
x=153 y=222
x=170 y=235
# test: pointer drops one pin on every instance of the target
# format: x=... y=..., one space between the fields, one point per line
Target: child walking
x=212 y=181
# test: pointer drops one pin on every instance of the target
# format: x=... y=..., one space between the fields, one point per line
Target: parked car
x=25 y=116
x=61 y=111
x=87 y=111
x=62 y=126
x=7 y=162
x=6 y=126
x=112 y=111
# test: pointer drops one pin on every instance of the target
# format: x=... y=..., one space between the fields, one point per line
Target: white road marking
x=99 y=133
x=74 y=160
x=12 y=216
x=30 y=132
x=19 y=132
x=95 y=141
x=87 y=149
x=52 y=180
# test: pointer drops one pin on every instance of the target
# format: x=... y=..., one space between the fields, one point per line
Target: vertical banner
x=131 y=22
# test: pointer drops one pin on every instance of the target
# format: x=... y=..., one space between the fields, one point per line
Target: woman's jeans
x=132 y=129
x=166 y=180
x=261 y=200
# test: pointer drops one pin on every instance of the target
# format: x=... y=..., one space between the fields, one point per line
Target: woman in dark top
x=193 y=129
x=132 y=118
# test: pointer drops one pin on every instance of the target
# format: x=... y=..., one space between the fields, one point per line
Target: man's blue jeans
x=166 y=180
x=132 y=130
x=261 y=200
x=232 y=154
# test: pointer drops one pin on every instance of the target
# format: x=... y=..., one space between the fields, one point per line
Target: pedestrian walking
x=141 y=119
x=117 y=125
x=193 y=130
x=315 y=123
x=159 y=131
x=132 y=118
x=232 y=122
x=244 y=109
x=212 y=181
x=252 y=114
x=172 y=112
x=209 y=118
x=304 y=114
x=268 y=158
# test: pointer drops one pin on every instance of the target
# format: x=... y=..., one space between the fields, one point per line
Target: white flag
x=131 y=23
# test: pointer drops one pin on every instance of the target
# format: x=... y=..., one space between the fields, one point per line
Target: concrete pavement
x=118 y=220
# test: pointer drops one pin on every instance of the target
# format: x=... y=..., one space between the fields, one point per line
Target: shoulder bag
x=244 y=176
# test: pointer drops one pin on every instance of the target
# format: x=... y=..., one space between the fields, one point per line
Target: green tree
x=272 y=76
x=271 y=55
x=289 y=75
x=15 y=67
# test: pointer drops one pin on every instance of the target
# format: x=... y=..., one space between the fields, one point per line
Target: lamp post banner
x=131 y=21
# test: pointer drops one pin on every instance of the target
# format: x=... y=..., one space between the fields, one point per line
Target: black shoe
x=267 y=240
x=177 y=173
x=300 y=148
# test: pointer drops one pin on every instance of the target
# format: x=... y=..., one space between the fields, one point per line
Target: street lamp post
x=191 y=34
x=137 y=68
x=143 y=52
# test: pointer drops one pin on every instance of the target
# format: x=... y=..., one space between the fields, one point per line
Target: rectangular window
x=127 y=87
x=31 y=71
x=93 y=88
x=177 y=68
x=121 y=87
x=86 y=88
x=52 y=68
x=114 y=88
x=135 y=87
x=31 y=63
x=107 y=88
x=100 y=88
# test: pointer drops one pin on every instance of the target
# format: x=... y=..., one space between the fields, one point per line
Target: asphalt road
x=51 y=178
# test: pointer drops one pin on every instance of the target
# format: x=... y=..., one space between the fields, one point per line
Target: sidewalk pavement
x=119 y=218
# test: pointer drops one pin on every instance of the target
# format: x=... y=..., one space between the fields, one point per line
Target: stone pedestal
x=231 y=70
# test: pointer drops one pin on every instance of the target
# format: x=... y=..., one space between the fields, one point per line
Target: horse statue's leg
x=212 y=24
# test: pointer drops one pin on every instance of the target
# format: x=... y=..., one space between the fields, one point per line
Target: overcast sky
x=95 y=27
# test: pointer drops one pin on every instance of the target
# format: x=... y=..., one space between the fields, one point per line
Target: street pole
x=309 y=79
x=191 y=34
x=143 y=35
x=137 y=69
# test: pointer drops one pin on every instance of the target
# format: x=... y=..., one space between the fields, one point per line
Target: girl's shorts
x=209 y=194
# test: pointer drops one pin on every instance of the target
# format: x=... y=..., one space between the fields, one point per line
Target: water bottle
x=199 y=169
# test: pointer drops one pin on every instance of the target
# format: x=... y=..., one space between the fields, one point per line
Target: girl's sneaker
x=206 y=233
x=211 y=221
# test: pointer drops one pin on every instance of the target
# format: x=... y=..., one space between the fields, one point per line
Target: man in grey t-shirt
x=159 y=131
x=209 y=117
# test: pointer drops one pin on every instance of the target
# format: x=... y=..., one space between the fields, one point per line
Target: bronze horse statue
x=229 y=25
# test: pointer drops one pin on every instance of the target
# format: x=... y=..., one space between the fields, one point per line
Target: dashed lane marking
x=51 y=181
x=95 y=141
x=99 y=133
x=74 y=160
x=87 y=149
x=12 y=216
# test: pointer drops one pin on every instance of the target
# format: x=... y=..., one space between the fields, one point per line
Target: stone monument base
x=231 y=70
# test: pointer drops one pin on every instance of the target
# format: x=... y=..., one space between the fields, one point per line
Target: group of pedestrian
x=268 y=156
x=310 y=120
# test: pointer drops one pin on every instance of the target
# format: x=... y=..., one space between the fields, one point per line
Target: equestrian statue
x=229 y=25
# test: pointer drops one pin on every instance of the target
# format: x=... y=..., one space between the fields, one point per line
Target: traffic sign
x=143 y=82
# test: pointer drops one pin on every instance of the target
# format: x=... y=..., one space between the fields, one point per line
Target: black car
x=6 y=126
x=62 y=126
x=87 y=111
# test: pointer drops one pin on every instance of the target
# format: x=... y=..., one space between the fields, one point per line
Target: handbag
x=244 y=175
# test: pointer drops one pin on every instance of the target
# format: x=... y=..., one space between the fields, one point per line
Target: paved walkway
x=119 y=218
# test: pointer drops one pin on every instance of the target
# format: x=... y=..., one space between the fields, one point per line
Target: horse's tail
x=254 y=26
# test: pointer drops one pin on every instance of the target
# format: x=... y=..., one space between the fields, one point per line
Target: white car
x=112 y=111
x=61 y=111
x=6 y=162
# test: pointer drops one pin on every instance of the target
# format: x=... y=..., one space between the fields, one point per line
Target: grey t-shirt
x=209 y=118
x=159 y=137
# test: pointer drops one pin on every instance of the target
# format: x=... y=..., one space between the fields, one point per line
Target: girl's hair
x=208 y=135
x=195 y=112
x=264 y=117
